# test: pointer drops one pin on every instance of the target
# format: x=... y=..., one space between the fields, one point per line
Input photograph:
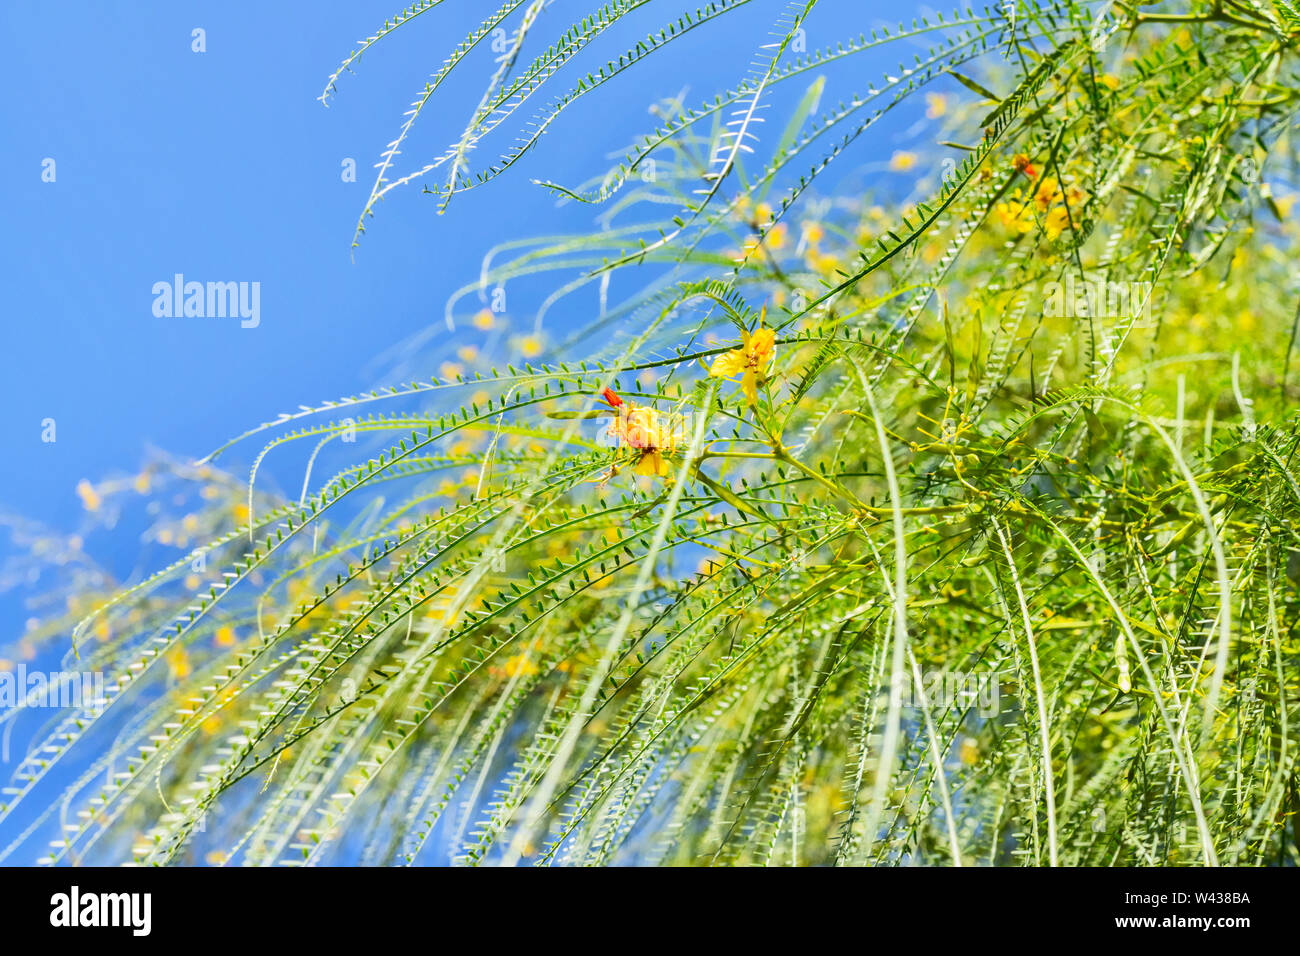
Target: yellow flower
x=1014 y=216
x=519 y=664
x=90 y=499
x=645 y=429
x=530 y=346
x=822 y=262
x=652 y=464
x=651 y=433
x=902 y=161
x=750 y=361
x=813 y=233
x=775 y=238
x=483 y=319
x=450 y=370
x=1048 y=192
x=178 y=663
x=1021 y=163
x=936 y=104
x=1110 y=81
x=467 y=353
x=1058 y=220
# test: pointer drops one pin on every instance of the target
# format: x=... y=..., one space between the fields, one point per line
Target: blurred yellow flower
x=1058 y=220
x=1014 y=216
x=1022 y=164
x=178 y=663
x=775 y=238
x=823 y=263
x=484 y=319
x=519 y=664
x=936 y=104
x=1048 y=192
x=902 y=161
x=90 y=499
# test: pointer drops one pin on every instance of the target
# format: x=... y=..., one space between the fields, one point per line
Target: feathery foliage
x=957 y=529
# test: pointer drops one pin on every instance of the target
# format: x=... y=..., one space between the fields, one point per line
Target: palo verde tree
x=962 y=527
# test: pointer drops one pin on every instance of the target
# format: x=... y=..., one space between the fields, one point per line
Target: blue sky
x=223 y=166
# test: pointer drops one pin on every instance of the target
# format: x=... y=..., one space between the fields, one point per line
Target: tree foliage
x=956 y=529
